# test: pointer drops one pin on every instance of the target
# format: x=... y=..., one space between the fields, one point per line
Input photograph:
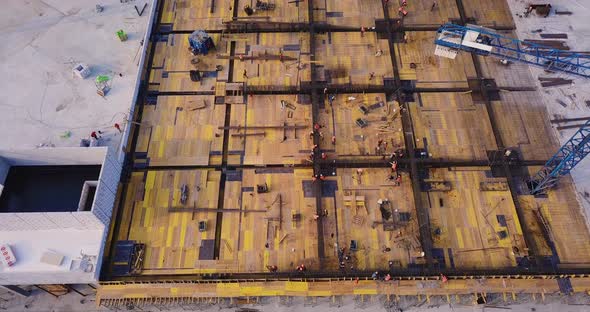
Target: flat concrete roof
x=42 y=102
x=31 y=245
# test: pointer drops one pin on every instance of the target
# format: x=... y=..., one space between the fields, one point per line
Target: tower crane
x=453 y=38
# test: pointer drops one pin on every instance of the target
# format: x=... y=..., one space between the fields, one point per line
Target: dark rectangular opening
x=46 y=188
x=89 y=198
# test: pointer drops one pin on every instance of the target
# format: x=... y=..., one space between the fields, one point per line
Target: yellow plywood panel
x=364 y=291
x=248 y=240
x=296 y=286
x=459 y=238
x=251 y=290
x=228 y=287
x=149 y=181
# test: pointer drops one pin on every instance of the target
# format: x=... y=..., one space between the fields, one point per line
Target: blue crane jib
x=484 y=41
x=566 y=158
x=200 y=42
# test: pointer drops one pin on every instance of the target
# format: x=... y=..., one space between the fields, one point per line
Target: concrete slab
x=42 y=103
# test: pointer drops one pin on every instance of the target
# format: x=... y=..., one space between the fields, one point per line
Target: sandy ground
x=43 y=302
x=42 y=103
x=578 y=29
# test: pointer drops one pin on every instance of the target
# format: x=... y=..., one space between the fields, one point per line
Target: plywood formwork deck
x=510 y=289
x=350 y=58
x=270 y=145
x=421 y=12
x=567 y=225
x=488 y=12
x=467 y=222
x=181 y=130
x=172 y=238
x=449 y=126
x=430 y=70
x=173 y=62
x=201 y=14
x=284 y=11
x=354 y=214
x=222 y=165
x=338 y=119
x=272 y=71
x=351 y=13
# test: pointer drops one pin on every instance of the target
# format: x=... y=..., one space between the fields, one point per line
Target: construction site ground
x=268 y=97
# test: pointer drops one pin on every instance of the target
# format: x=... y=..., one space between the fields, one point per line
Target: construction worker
x=249 y=11
x=402 y=11
x=94 y=135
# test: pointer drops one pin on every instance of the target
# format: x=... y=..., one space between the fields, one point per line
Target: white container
x=81 y=70
x=6 y=255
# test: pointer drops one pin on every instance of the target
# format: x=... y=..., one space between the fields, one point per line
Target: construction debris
x=142 y=9
x=552 y=82
x=554 y=36
x=200 y=42
x=121 y=35
x=548 y=44
x=81 y=70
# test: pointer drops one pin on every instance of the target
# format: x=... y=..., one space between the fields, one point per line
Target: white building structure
x=47 y=112
x=58 y=247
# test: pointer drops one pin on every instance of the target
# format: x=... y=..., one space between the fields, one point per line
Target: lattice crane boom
x=484 y=41
x=566 y=158
x=453 y=38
